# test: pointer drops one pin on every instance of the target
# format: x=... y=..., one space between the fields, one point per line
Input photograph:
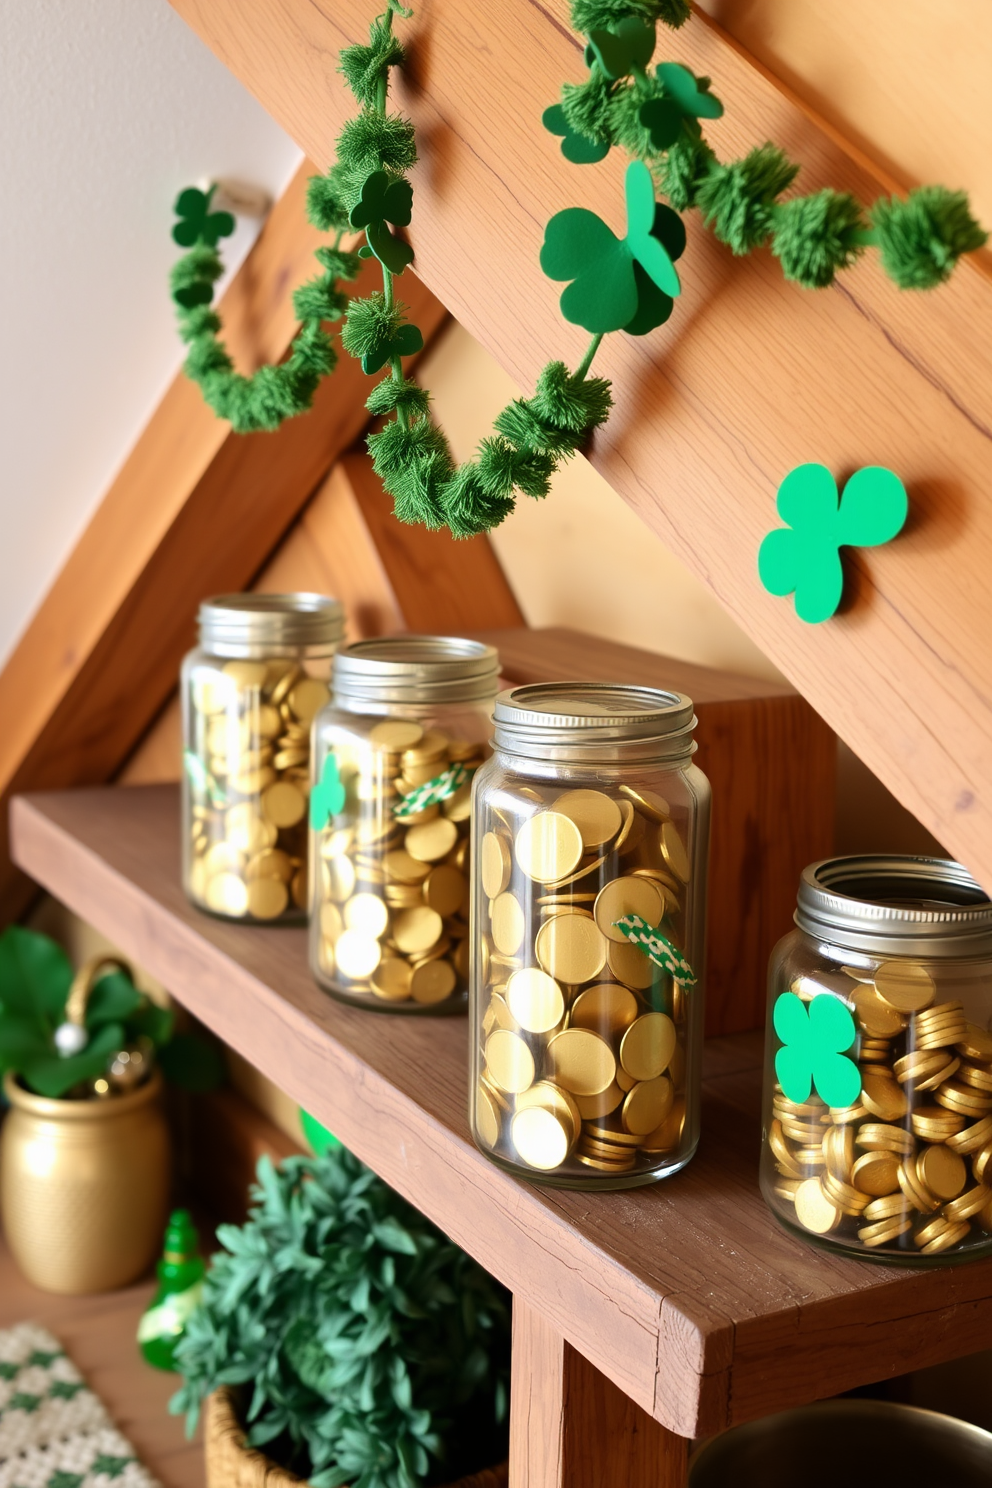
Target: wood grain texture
x=751 y=377
x=98 y=1333
x=220 y=1138
x=195 y=510
x=687 y=1295
x=771 y=762
x=570 y=1427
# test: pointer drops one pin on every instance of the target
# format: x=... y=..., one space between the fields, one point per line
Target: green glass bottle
x=180 y=1283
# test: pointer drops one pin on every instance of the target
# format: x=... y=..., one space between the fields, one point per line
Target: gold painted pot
x=84 y=1186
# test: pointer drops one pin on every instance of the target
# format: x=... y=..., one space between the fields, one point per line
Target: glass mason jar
x=250 y=692
x=877 y=1117
x=394 y=756
x=585 y=1044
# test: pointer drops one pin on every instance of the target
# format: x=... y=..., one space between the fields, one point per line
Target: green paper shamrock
x=407 y=340
x=197 y=223
x=687 y=100
x=432 y=792
x=577 y=148
x=814 y=1038
x=627 y=45
x=384 y=198
x=657 y=947
x=328 y=795
x=607 y=292
x=804 y=557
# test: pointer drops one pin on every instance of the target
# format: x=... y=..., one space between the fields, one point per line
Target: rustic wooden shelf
x=687 y=1295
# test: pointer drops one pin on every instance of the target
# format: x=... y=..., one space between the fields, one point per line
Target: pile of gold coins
x=391 y=898
x=248 y=772
x=909 y=1166
x=580 y=1037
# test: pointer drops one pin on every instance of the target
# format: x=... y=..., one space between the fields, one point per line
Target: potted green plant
x=343 y=1333
x=84 y=1150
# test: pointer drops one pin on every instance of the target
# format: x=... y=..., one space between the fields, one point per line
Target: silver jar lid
x=896 y=906
x=588 y=721
x=232 y=623
x=415 y=669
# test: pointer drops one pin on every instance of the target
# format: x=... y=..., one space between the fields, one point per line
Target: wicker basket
x=232 y=1464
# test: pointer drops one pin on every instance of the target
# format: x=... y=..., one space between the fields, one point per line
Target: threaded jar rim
x=232 y=623
x=594 y=720
x=415 y=669
x=895 y=905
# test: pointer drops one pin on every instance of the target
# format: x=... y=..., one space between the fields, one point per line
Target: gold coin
x=595 y=1107
x=535 y=1000
x=905 y=986
x=548 y=846
x=942 y=1171
x=581 y=1062
x=271 y=862
x=838 y=1151
x=883 y=1232
x=574 y=878
x=367 y=913
x=246 y=674
x=502 y=1017
x=445 y=890
x=916 y=1192
x=399 y=865
x=391 y=979
x=559 y=1102
x=656 y=806
x=595 y=814
x=814 y=1210
x=609 y=1134
x=432 y=981
x=890 y=1206
x=980 y=1162
x=569 y=947
x=876 y=1173
x=509 y=1061
x=227 y=894
x=283 y=804
x=876 y=1017
x=968 y=1204
x=935 y=1124
x=431 y=841
x=212 y=692
x=336 y=841
x=647 y=1046
x=417 y=930
x=625 y=896
x=851 y=1200
x=495 y=865
x=357 y=955
x=948 y=1238
x=879 y=1138
x=630 y=965
x=972 y=1137
x=882 y=1095
x=395 y=734
x=669 y=1134
x=246 y=830
x=331 y=923
x=285 y=759
x=487 y=1117
x=224 y=857
x=267 y=898
x=603 y=1166
x=976 y=1044
x=674 y=853
x=782 y=1151
x=509 y=925
x=458 y=808
x=607 y=1008
x=647 y=1105
x=970 y=1074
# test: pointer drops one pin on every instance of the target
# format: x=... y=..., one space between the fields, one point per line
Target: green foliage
x=816 y=236
x=600 y=15
x=35 y=978
x=922 y=238
x=368 y=1348
x=736 y=200
x=366 y=68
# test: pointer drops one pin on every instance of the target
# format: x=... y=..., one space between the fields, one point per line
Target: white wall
x=107 y=109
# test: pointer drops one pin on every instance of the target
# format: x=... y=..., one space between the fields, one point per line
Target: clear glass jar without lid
x=877 y=1118
x=394 y=756
x=586 y=1043
x=250 y=692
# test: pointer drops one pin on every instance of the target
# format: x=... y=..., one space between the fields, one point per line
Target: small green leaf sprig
x=365 y=1345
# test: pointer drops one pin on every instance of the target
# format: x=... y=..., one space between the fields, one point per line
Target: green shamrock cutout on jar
x=686 y=100
x=814 y=1039
x=328 y=796
x=618 y=284
x=622 y=48
x=576 y=147
x=197 y=224
x=384 y=199
x=804 y=557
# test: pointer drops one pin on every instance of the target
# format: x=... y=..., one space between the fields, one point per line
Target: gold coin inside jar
x=649 y=801
x=905 y=986
x=509 y=1061
x=882 y=1095
x=606 y=1008
x=227 y=894
x=553 y=1098
x=596 y=815
x=539 y=1137
x=647 y=1105
x=647 y=1047
x=581 y=1062
x=271 y=862
x=428 y=842
x=417 y=930
x=595 y=1107
x=630 y=965
x=339 y=874
x=367 y=913
x=357 y=954
x=284 y=804
x=391 y=979
x=673 y=851
x=267 y=898
x=487 y=1116
x=942 y=1170
x=246 y=674
x=494 y=864
x=626 y=896
x=548 y=846
x=814 y=1210
x=876 y=1173
x=399 y=865
x=331 y=923
x=535 y=1000
x=570 y=948
x=432 y=981
x=876 y=1017
x=396 y=734
x=307 y=697
x=508 y=925
x=444 y=890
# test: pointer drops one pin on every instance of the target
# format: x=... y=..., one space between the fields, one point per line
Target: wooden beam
x=751 y=377
x=195 y=510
